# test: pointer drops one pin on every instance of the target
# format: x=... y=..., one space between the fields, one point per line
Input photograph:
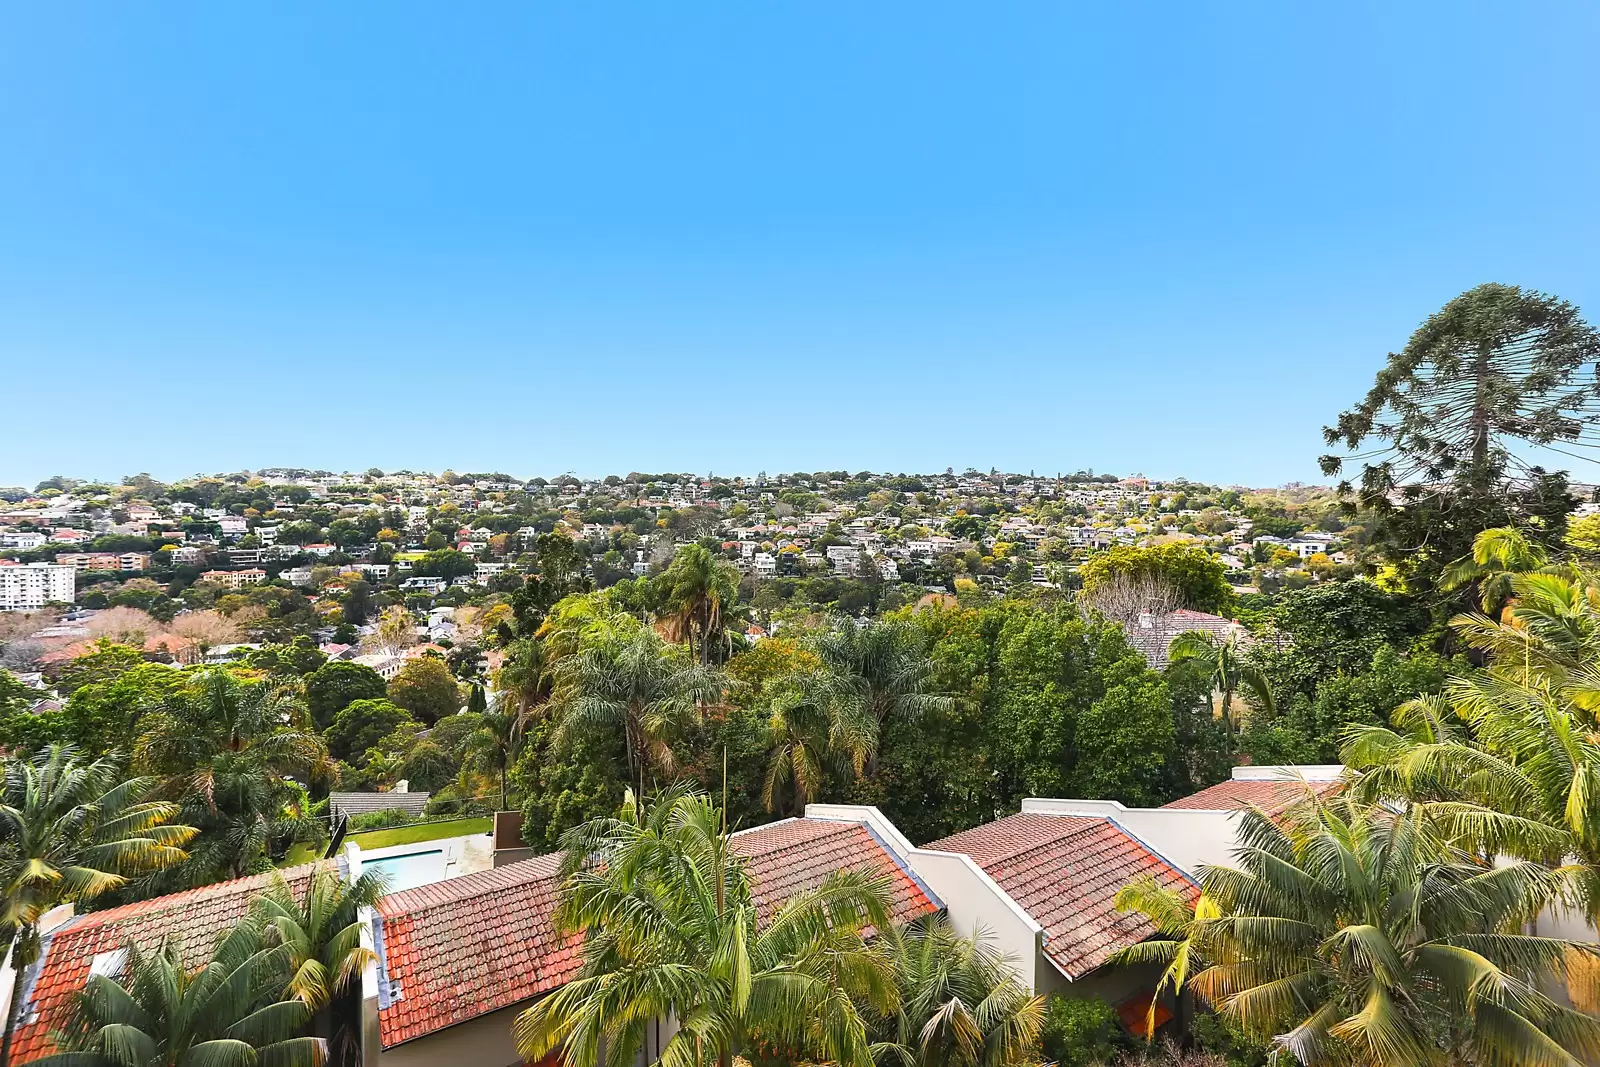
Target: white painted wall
x=976 y=904
x=1278 y=772
x=970 y=897
x=1186 y=838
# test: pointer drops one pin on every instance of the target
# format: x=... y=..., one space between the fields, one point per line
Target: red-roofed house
x=196 y=919
x=1272 y=789
x=458 y=960
x=1062 y=869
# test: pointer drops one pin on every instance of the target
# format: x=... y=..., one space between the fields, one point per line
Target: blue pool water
x=409 y=870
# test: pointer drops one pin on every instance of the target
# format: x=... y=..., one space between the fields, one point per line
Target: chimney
x=403 y=786
x=1147 y=621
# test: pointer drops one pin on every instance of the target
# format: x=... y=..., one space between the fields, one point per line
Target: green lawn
x=399 y=835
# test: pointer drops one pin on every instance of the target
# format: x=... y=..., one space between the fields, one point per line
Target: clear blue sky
x=1172 y=238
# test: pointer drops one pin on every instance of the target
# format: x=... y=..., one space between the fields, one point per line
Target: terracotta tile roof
x=792 y=856
x=195 y=918
x=1272 y=797
x=1064 y=871
x=464 y=947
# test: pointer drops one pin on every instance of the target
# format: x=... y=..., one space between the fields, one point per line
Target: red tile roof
x=1272 y=797
x=1064 y=871
x=464 y=947
x=195 y=918
x=795 y=855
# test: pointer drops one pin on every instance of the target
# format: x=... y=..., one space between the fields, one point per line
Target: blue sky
x=1169 y=238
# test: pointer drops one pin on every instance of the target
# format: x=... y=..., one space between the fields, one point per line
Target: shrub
x=1078 y=1033
x=379 y=820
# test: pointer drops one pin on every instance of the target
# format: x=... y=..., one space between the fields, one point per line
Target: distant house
x=1153 y=633
x=387 y=664
x=235 y=579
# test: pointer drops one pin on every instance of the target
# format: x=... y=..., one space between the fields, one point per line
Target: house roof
x=795 y=855
x=464 y=947
x=1154 y=640
x=1272 y=797
x=1064 y=871
x=457 y=949
x=196 y=919
x=359 y=803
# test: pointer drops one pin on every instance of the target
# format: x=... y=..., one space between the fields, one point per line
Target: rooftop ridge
x=170 y=901
x=829 y=828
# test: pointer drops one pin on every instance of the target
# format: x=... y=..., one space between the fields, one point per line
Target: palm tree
x=492 y=747
x=224 y=748
x=318 y=935
x=1510 y=755
x=158 y=1012
x=672 y=931
x=1497 y=556
x=526 y=679
x=698 y=587
x=874 y=672
x=1220 y=660
x=960 y=1005
x=801 y=752
x=1358 y=936
x=639 y=687
x=70 y=831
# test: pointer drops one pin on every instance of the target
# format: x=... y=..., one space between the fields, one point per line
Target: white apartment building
x=296 y=575
x=21 y=539
x=30 y=586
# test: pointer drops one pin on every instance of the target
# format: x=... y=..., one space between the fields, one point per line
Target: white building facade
x=30 y=586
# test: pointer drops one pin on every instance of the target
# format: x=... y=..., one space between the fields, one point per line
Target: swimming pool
x=408 y=870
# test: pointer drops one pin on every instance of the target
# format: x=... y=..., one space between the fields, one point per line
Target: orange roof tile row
x=196 y=918
x=1272 y=797
x=790 y=857
x=1064 y=871
x=464 y=947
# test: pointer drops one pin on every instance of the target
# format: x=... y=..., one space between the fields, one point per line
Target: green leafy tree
x=1449 y=427
x=874 y=674
x=426 y=688
x=103 y=661
x=560 y=574
x=160 y=1012
x=1198 y=577
x=1497 y=555
x=362 y=724
x=71 y=830
x=1510 y=755
x=492 y=747
x=1356 y=935
x=1081 y=1032
x=337 y=684
x=444 y=563
x=672 y=931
